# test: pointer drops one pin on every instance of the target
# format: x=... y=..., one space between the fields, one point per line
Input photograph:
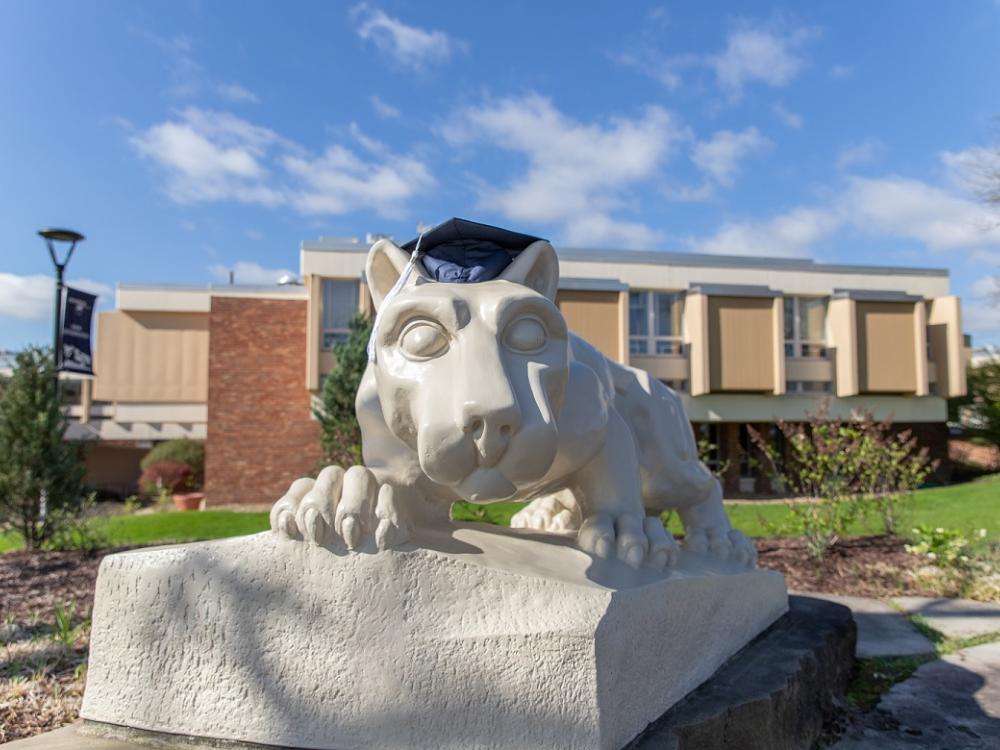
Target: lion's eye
x=526 y=335
x=423 y=340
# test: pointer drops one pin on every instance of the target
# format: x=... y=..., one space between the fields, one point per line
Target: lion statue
x=478 y=392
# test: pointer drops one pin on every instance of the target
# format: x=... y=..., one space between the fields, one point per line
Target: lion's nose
x=491 y=429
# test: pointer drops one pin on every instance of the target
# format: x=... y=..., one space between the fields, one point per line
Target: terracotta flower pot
x=188 y=500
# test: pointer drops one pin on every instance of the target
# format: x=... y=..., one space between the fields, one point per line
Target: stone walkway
x=954 y=618
x=952 y=703
x=882 y=630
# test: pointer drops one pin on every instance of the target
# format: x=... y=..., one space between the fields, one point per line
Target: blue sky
x=189 y=138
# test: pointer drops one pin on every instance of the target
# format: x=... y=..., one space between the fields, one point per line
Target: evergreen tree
x=40 y=473
x=340 y=434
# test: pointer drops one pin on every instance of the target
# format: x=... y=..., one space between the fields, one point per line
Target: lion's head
x=472 y=376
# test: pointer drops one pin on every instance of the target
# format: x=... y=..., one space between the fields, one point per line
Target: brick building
x=745 y=341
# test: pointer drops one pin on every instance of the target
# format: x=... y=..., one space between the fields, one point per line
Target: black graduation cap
x=462 y=251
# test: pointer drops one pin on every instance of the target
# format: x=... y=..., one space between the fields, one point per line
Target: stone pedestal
x=478 y=638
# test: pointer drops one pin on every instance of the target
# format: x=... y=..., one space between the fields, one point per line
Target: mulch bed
x=872 y=566
x=32 y=584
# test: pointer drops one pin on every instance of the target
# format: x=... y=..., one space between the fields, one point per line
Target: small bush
x=166 y=476
x=191 y=453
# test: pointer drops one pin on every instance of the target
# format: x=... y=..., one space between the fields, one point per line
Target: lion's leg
x=614 y=520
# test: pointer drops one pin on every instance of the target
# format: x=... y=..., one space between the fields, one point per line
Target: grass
x=873 y=677
x=965 y=507
x=165 y=528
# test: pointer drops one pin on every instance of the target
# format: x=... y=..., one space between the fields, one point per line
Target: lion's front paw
x=349 y=505
x=629 y=537
x=722 y=542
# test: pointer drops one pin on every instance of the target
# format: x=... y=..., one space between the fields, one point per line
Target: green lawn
x=965 y=507
x=165 y=528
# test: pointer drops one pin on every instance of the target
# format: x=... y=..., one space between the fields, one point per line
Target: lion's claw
x=722 y=543
x=631 y=538
x=340 y=505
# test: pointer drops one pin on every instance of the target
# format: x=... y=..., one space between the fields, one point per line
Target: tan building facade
x=745 y=341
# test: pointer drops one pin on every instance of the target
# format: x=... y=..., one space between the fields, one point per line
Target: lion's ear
x=385 y=264
x=537 y=267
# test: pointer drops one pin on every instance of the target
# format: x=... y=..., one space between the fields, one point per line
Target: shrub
x=892 y=467
x=40 y=473
x=822 y=466
x=191 y=453
x=166 y=476
x=340 y=434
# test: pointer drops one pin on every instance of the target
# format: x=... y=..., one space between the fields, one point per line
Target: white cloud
x=383 y=109
x=721 y=156
x=248 y=272
x=909 y=208
x=789 y=118
x=234 y=92
x=33 y=297
x=841 y=71
x=890 y=206
x=600 y=230
x=975 y=170
x=211 y=156
x=981 y=313
x=575 y=172
x=858 y=154
x=411 y=46
x=337 y=181
x=982 y=319
x=760 y=53
x=789 y=234
x=988 y=287
x=766 y=52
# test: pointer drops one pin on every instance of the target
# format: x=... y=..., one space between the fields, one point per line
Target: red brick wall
x=260 y=433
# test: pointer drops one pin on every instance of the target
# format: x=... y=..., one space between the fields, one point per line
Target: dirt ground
x=43 y=657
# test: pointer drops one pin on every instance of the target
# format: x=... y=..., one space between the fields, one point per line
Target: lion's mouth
x=486 y=486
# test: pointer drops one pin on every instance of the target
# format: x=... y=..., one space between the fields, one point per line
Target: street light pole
x=52 y=236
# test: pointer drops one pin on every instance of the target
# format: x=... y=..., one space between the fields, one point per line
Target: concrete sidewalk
x=884 y=630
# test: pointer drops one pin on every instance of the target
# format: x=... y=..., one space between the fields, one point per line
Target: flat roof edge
x=665 y=257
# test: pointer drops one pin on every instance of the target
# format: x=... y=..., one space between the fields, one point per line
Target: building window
x=747 y=462
x=808 y=386
x=340 y=304
x=680 y=386
x=654 y=322
x=805 y=327
x=708 y=439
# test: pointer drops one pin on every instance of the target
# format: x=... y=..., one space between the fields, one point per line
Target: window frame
x=338 y=334
x=649 y=342
x=797 y=346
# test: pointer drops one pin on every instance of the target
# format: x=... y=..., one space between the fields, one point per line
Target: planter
x=189 y=500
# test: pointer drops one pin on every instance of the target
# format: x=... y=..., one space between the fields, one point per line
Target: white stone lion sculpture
x=479 y=392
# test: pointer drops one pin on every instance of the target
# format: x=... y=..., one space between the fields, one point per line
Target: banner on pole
x=78 y=315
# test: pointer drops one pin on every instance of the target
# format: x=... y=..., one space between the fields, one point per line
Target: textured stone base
x=480 y=638
x=774 y=695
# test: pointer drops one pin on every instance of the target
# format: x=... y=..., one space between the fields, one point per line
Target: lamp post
x=65 y=236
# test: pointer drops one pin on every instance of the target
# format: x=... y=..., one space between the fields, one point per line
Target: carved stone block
x=469 y=638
